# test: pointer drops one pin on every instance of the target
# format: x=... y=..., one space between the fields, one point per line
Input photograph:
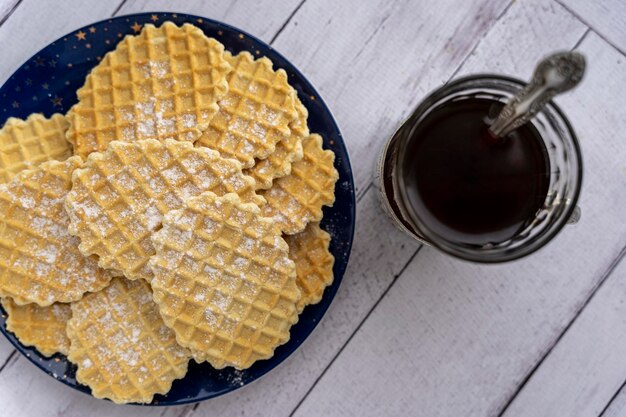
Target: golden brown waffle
x=41 y=327
x=120 y=196
x=314 y=263
x=39 y=260
x=223 y=281
x=297 y=199
x=255 y=113
x=24 y=144
x=163 y=83
x=288 y=151
x=121 y=346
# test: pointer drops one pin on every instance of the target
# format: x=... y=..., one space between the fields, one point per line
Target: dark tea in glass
x=469 y=185
x=446 y=181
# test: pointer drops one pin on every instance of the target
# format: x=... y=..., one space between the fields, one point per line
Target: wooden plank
x=6 y=349
x=588 y=365
x=26 y=391
x=18 y=378
x=262 y=19
x=34 y=24
x=380 y=251
x=604 y=16
x=379 y=254
x=453 y=338
x=293 y=379
x=373 y=61
x=7 y=7
x=617 y=406
x=528 y=32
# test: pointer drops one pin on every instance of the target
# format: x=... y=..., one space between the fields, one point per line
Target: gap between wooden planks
x=241 y=402
x=608 y=224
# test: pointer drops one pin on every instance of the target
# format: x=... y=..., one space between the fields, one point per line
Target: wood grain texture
x=26 y=391
x=262 y=19
x=530 y=30
x=373 y=61
x=6 y=349
x=322 y=40
x=617 y=406
x=379 y=254
x=34 y=24
x=604 y=16
x=454 y=338
x=588 y=365
x=448 y=338
x=7 y=7
x=26 y=23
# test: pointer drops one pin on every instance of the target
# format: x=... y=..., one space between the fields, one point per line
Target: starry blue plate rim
x=47 y=82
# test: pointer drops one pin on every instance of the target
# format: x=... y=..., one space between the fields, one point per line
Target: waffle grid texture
x=163 y=83
x=255 y=113
x=39 y=259
x=297 y=199
x=40 y=327
x=223 y=281
x=121 y=346
x=314 y=263
x=119 y=198
x=24 y=144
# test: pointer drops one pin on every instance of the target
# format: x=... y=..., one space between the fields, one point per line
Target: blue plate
x=47 y=83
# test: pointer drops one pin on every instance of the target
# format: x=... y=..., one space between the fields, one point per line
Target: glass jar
x=565 y=177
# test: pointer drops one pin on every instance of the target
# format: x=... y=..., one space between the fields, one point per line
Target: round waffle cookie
x=25 y=144
x=121 y=346
x=314 y=263
x=223 y=281
x=255 y=113
x=297 y=199
x=288 y=151
x=118 y=200
x=163 y=83
x=41 y=327
x=39 y=259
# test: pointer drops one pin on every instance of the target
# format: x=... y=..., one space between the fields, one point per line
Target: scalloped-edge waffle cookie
x=40 y=327
x=255 y=113
x=39 y=259
x=120 y=196
x=163 y=83
x=122 y=348
x=288 y=151
x=24 y=144
x=314 y=263
x=223 y=281
x=297 y=199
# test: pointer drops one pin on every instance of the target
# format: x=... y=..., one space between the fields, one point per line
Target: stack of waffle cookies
x=172 y=213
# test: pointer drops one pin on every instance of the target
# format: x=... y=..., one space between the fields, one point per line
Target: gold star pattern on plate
x=57 y=101
x=15 y=104
x=80 y=35
x=92 y=30
x=154 y=18
x=136 y=27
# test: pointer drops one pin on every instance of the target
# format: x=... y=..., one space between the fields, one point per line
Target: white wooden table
x=414 y=332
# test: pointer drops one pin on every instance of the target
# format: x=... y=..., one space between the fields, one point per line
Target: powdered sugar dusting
x=153 y=217
x=189 y=120
x=127 y=339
